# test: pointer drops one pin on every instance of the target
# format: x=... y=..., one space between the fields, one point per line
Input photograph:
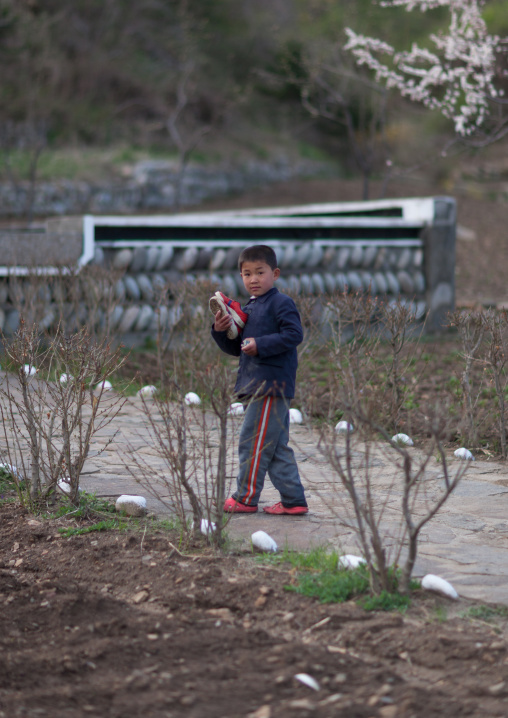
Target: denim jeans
x=263 y=448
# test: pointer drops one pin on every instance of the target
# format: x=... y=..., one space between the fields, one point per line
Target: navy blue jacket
x=274 y=322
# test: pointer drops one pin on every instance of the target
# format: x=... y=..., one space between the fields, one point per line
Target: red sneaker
x=220 y=303
x=278 y=509
x=232 y=506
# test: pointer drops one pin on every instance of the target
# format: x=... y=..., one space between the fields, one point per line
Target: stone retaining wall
x=150 y=188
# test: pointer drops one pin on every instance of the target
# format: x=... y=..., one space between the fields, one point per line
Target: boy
x=265 y=383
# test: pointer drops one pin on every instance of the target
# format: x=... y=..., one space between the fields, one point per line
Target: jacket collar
x=268 y=294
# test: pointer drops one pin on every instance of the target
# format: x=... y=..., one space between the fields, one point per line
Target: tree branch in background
x=458 y=78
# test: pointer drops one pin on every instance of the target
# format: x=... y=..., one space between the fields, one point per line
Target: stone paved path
x=466 y=543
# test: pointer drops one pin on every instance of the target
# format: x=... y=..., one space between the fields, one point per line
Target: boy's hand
x=249 y=347
x=222 y=322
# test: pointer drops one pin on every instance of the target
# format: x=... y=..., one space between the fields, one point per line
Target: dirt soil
x=121 y=624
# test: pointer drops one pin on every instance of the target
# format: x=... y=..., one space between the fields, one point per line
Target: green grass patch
x=89 y=506
x=318 y=559
x=332 y=586
x=110 y=525
x=318 y=576
x=486 y=613
x=386 y=602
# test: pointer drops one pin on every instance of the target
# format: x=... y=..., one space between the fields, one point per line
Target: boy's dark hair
x=258 y=253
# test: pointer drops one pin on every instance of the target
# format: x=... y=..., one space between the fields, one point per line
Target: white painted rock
x=65 y=486
x=344 y=427
x=295 y=416
x=263 y=542
x=29 y=370
x=350 y=561
x=65 y=378
x=131 y=505
x=105 y=386
x=192 y=398
x=437 y=584
x=403 y=440
x=149 y=390
x=464 y=454
x=207 y=527
x=236 y=409
x=307 y=680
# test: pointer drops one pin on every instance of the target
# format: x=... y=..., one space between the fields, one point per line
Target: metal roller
x=305 y=284
x=218 y=258
x=128 y=319
x=356 y=257
x=343 y=257
x=302 y=255
x=115 y=316
x=318 y=285
x=419 y=282
x=131 y=288
x=145 y=287
x=354 y=282
x=152 y=257
x=119 y=290
x=165 y=257
x=381 y=283
x=204 y=258
x=294 y=284
x=341 y=282
x=368 y=282
x=330 y=282
x=330 y=259
x=187 y=259
x=159 y=319
x=404 y=259
x=406 y=283
x=289 y=257
x=231 y=258
x=229 y=284
x=122 y=258
x=315 y=257
x=138 y=262
x=393 y=283
x=144 y=318
x=369 y=257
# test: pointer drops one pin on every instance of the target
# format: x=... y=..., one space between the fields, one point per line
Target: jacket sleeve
x=229 y=346
x=290 y=332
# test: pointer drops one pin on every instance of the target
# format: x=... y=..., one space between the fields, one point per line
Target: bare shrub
x=495 y=358
x=185 y=351
x=192 y=443
x=387 y=533
x=309 y=396
x=398 y=321
x=471 y=329
x=49 y=418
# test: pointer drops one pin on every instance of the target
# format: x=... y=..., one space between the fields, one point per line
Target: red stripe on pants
x=260 y=438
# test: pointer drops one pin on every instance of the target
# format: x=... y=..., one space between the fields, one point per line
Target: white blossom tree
x=459 y=77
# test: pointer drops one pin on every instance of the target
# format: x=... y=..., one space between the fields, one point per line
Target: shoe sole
x=240 y=511
x=219 y=306
x=287 y=512
x=226 y=307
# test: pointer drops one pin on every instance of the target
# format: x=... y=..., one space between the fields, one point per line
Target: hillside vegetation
x=201 y=77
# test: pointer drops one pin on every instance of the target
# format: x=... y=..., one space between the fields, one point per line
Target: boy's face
x=258 y=277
